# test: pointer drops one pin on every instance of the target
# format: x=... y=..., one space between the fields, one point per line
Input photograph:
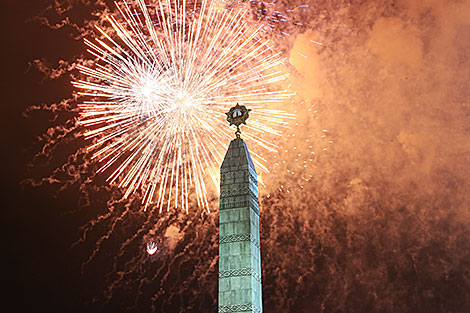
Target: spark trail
x=158 y=89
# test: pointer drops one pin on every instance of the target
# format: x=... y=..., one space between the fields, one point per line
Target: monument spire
x=239 y=243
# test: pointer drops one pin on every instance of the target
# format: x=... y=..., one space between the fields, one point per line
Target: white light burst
x=152 y=248
x=164 y=75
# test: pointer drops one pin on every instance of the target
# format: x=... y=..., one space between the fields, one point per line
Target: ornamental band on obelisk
x=239 y=242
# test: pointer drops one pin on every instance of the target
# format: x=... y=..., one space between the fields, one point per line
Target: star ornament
x=238 y=115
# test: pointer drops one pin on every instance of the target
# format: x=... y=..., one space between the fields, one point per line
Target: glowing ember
x=151 y=248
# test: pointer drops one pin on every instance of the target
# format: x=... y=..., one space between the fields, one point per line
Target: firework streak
x=156 y=95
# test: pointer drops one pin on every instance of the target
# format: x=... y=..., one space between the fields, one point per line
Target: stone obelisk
x=239 y=242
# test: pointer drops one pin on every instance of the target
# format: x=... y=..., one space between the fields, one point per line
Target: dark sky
x=39 y=274
x=367 y=208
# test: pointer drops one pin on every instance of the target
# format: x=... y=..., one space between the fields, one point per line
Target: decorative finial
x=237 y=116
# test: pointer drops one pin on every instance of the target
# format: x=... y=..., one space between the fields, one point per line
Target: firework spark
x=159 y=87
x=151 y=248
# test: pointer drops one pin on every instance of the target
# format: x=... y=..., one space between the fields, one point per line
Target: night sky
x=366 y=208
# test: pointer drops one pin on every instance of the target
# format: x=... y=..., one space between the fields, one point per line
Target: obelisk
x=239 y=242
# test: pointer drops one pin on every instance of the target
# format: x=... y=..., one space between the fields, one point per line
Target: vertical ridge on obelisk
x=239 y=242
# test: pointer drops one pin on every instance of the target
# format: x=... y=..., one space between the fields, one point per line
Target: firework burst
x=164 y=75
